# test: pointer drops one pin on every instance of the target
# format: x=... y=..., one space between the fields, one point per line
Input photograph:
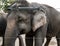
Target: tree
x=5 y=3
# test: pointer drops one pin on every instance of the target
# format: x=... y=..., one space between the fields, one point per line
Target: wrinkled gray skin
x=3 y=24
x=53 y=23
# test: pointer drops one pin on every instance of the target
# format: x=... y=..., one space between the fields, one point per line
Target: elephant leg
x=40 y=34
x=10 y=37
x=21 y=43
x=48 y=40
x=58 y=39
x=39 y=38
x=29 y=39
x=11 y=32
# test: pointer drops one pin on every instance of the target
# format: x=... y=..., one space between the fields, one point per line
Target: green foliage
x=5 y=3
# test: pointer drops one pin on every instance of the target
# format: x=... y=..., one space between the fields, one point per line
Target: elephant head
x=17 y=22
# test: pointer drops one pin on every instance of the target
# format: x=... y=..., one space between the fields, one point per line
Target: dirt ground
x=52 y=43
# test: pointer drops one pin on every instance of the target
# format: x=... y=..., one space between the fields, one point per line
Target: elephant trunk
x=10 y=37
x=11 y=32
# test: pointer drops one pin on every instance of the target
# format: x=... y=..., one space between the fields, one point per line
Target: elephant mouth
x=23 y=31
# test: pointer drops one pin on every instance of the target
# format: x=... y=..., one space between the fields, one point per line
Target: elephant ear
x=39 y=20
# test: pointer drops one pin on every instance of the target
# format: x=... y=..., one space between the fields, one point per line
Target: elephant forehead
x=23 y=14
x=39 y=20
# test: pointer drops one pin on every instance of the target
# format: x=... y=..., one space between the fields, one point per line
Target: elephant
x=3 y=24
x=40 y=23
x=52 y=21
x=21 y=21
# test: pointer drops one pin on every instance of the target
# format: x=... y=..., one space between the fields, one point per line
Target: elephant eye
x=20 y=19
x=42 y=10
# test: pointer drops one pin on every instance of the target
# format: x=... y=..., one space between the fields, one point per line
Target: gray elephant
x=52 y=17
x=25 y=22
x=3 y=24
